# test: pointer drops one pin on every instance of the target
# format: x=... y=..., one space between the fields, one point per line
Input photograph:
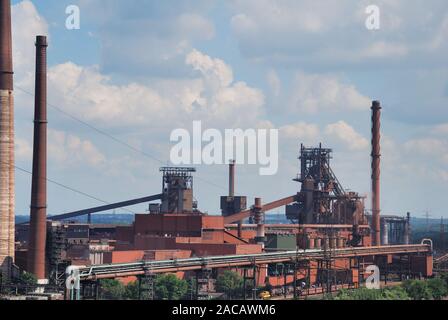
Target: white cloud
x=211 y=95
x=215 y=71
x=312 y=93
x=147 y=37
x=301 y=132
x=64 y=149
x=341 y=132
x=440 y=129
x=333 y=32
x=436 y=149
x=383 y=49
x=26 y=24
x=86 y=93
x=68 y=150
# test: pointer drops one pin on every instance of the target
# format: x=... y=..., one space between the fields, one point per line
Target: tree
x=112 y=289
x=230 y=283
x=131 y=291
x=444 y=277
x=438 y=288
x=417 y=290
x=394 y=293
x=359 y=294
x=27 y=279
x=169 y=287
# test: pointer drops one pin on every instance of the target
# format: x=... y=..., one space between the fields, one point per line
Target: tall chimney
x=38 y=211
x=6 y=142
x=259 y=221
x=376 y=158
x=232 y=178
x=232 y=192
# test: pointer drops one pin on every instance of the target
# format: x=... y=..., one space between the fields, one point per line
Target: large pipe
x=38 y=211
x=6 y=142
x=376 y=158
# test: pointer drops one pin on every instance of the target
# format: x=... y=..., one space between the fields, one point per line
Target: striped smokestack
x=6 y=142
x=38 y=210
x=376 y=158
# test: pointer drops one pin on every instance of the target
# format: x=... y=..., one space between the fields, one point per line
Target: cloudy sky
x=136 y=70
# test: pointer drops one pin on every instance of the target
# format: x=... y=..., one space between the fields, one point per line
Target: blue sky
x=139 y=69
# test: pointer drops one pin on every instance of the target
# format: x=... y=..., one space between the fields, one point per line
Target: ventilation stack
x=232 y=192
x=232 y=178
x=259 y=221
x=376 y=158
x=6 y=142
x=38 y=211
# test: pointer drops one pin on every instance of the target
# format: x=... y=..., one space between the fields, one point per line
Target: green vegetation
x=169 y=287
x=431 y=289
x=112 y=289
x=438 y=288
x=27 y=279
x=394 y=293
x=166 y=287
x=231 y=283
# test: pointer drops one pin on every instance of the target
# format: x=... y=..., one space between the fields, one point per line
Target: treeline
x=165 y=287
x=169 y=287
x=431 y=289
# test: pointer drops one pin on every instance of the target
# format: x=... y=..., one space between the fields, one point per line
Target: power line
x=113 y=138
x=70 y=188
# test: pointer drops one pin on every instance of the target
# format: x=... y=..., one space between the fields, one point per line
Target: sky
x=137 y=70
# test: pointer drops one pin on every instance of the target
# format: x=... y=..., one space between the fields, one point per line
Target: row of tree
x=166 y=287
x=169 y=287
x=431 y=289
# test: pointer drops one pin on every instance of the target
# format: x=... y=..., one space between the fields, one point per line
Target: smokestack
x=232 y=192
x=376 y=158
x=232 y=178
x=6 y=142
x=38 y=211
x=385 y=232
x=259 y=220
x=407 y=229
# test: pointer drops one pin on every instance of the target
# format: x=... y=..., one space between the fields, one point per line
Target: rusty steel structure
x=38 y=208
x=177 y=190
x=6 y=142
x=376 y=159
x=322 y=199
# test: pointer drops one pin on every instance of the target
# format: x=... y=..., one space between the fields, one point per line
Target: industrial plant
x=328 y=244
